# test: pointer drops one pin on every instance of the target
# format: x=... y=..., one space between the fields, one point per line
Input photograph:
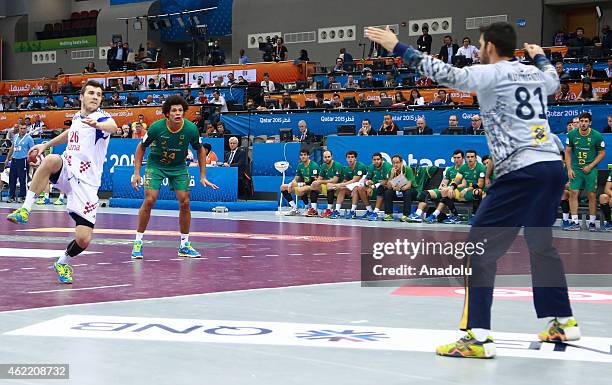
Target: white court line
x=28 y=268
x=152 y=260
x=128 y=262
x=104 y=263
x=247 y=256
x=296 y=254
x=267 y=255
x=224 y=257
x=80 y=265
x=320 y=254
x=4 y=269
x=177 y=259
x=82 y=288
x=343 y=253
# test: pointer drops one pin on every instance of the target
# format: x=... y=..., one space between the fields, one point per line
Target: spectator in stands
x=50 y=104
x=302 y=58
x=399 y=100
x=250 y=104
x=608 y=128
x=424 y=41
x=559 y=39
x=476 y=125
x=280 y=51
x=116 y=99
x=190 y=99
x=564 y=94
x=201 y=98
x=162 y=99
x=127 y=131
x=28 y=124
x=366 y=129
x=608 y=95
x=382 y=94
x=445 y=98
x=199 y=83
x=242 y=81
x=437 y=99
x=37 y=127
x=591 y=73
x=331 y=79
x=468 y=50
x=25 y=104
x=287 y=103
x=390 y=81
x=243 y=59
x=10 y=103
x=448 y=50
x=211 y=157
x=120 y=86
x=231 y=80
x=148 y=101
x=345 y=56
x=453 y=121
x=152 y=85
x=587 y=93
x=416 y=99
x=116 y=57
x=237 y=157
x=336 y=103
x=221 y=129
x=138 y=131
x=350 y=83
x=218 y=82
x=132 y=100
x=200 y=122
x=362 y=102
x=118 y=133
x=268 y=103
x=91 y=68
x=606 y=38
x=136 y=84
x=163 y=84
x=219 y=101
x=320 y=100
x=267 y=84
x=423 y=81
x=561 y=71
x=368 y=82
x=388 y=126
x=579 y=40
x=141 y=121
x=422 y=128
x=339 y=66
x=60 y=71
x=305 y=136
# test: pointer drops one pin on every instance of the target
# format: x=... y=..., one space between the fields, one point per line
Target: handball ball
x=35 y=158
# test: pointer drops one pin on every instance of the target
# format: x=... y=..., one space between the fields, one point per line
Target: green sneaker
x=19 y=216
x=137 y=250
x=558 y=332
x=468 y=347
x=188 y=251
x=64 y=272
x=59 y=202
x=388 y=218
x=404 y=218
x=42 y=201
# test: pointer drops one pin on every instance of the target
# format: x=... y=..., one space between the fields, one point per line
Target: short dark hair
x=449 y=36
x=351 y=152
x=502 y=35
x=366 y=120
x=378 y=154
x=92 y=83
x=398 y=157
x=304 y=151
x=174 y=100
x=585 y=115
x=485 y=157
x=471 y=152
x=580 y=29
x=458 y=152
x=207 y=146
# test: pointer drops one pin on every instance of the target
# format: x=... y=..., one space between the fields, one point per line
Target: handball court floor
x=274 y=300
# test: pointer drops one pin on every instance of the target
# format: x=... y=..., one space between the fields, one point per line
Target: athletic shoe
x=431 y=219
x=311 y=212
x=468 y=347
x=43 y=201
x=405 y=218
x=565 y=224
x=389 y=218
x=137 y=250
x=188 y=251
x=19 y=216
x=592 y=227
x=366 y=215
x=293 y=212
x=10 y=200
x=350 y=214
x=558 y=332
x=64 y=272
x=326 y=213
x=335 y=214
x=607 y=226
x=372 y=216
x=20 y=200
x=471 y=221
x=573 y=227
x=452 y=220
x=415 y=218
x=59 y=202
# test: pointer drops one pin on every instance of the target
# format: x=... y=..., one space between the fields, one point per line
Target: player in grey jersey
x=526 y=192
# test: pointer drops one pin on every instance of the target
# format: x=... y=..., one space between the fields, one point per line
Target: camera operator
x=280 y=51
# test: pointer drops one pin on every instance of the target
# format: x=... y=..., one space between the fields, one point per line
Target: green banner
x=52 y=44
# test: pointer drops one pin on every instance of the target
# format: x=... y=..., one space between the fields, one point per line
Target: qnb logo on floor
x=342 y=335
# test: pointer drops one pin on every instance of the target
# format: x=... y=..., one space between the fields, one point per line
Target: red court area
x=237 y=255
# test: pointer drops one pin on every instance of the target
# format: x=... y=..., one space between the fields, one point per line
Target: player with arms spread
x=529 y=182
x=168 y=139
x=77 y=172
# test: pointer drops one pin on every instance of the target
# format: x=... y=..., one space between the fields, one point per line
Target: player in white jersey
x=529 y=183
x=77 y=172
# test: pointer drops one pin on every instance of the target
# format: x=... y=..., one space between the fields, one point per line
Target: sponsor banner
x=326 y=123
x=364 y=337
x=53 y=44
x=224 y=177
x=24 y=87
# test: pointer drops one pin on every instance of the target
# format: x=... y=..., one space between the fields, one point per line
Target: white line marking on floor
x=271 y=255
x=81 y=288
x=296 y=254
x=4 y=269
x=176 y=259
x=152 y=260
x=361 y=321
x=224 y=257
x=104 y=263
x=128 y=262
x=247 y=256
x=320 y=254
x=589 y=253
x=28 y=268
x=343 y=253
x=80 y=265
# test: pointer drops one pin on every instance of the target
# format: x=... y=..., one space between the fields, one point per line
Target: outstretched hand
x=384 y=37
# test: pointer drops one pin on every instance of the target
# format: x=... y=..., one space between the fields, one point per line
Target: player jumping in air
x=168 y=139
x=77 y=172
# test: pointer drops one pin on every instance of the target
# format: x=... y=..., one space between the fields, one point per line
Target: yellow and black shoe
x=468 y=347
x=558 y=332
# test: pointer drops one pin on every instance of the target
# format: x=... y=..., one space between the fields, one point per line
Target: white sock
x=29 y=200
x=139 y=236
x=575 y=218
x=338 y=206
x=314 y=205
x=565 y=216
x=63 y=259
x=481 y=334
x=369 y=208
x=419 y=212
x=436 y=213
x=184 y=239
x=376 y=210
x=46 y=195
x=61 y=196
x=292 y=204
x=592 y=218
x=564 y=320
x=353 y=207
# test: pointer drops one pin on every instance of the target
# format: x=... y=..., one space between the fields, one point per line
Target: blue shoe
x=415 y=218
x=565 y=224
x=19 y=216
x=137 y=250
x=452 y=220
x=366 y=215
x=592 y=227
x=335 y=214
x=607 y=226
x=188 y=251
x=574 y=227
x=350 y=214
x=372 y=216
x=64 y=272
x=431 y=219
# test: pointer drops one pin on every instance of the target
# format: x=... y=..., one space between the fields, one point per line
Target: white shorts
x=82 y=198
